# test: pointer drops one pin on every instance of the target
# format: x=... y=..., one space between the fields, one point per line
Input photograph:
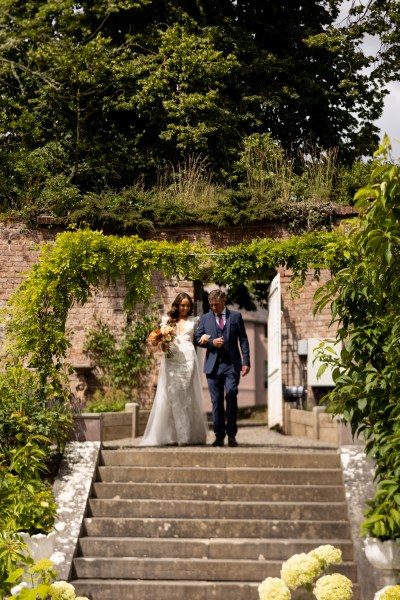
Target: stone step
x=223 y=548
x=221 y=492
x=159 y=457
x=214 y=528
x=198 y=509
x=195 y=524
x=107 y=589
x=185 y=568
x=283 y=476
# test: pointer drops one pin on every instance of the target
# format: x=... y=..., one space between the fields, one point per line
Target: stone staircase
x=207 y=524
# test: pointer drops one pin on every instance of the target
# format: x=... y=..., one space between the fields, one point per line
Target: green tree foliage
x=99 y=95
x=379 y=18
x=364 y=299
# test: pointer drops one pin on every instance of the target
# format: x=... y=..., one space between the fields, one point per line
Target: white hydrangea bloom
x=273 y=588
x=327 y=555
x=61 y=590
x=333 y=587
x=300 y=569
x=390 y=592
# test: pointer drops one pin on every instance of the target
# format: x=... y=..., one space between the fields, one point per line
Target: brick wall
x=19 y=251
x=299 y=323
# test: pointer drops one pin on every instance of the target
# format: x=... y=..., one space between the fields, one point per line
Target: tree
x=378 y=18
x=96 y=96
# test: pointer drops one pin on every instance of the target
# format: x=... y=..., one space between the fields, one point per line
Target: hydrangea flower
x=391 y=592
x=273 y=588
x=333 y=587
x=43 y=564
x=300 y=569
x=327 y=555
x=61 y=590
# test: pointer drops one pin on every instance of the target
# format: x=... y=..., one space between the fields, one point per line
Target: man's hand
x=218 y=342
x=245 y=370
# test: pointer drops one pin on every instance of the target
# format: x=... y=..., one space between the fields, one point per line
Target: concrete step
x=222 y=548
x=159 y=457
x=283 y=476
x=110 y=589
x=215 y=528
x=199 y=509
x=185 y=568
x=221 y=492
x=195 y=524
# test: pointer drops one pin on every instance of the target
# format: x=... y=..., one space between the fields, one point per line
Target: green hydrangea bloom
x=61 y=590
x=299 y=570
x=327 y=555
x=390 y=593
x=333 y=587
x=273 y=588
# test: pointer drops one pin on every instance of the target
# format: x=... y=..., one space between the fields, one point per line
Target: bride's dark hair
x=174 y=312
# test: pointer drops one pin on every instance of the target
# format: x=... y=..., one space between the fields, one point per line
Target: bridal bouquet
x=163 y=336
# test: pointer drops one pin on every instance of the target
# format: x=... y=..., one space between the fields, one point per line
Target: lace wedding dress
x=177 y=415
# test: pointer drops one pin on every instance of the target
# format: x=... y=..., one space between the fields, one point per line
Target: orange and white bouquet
x=162 y=337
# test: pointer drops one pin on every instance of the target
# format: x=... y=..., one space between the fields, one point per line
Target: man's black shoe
x=232 y=442
x=218 y=442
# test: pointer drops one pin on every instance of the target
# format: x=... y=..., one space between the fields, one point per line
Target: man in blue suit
x=222 y=331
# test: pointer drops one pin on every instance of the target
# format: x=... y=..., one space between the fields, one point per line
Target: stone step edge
x=181 y=540
x=236 y=486
x=225 y=503
x=168 y=582
x=186 y=519
x=223 y=469
x=200 y=561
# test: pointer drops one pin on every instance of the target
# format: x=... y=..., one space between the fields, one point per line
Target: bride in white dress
x=177 y=415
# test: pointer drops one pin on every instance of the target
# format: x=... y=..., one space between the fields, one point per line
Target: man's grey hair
x=217 y=295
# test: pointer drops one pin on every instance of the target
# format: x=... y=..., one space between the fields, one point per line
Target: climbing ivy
x=79 y=262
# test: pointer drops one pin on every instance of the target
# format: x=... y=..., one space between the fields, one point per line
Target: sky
x=390 y=122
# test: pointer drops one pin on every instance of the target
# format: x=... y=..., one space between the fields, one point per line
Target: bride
x=177 y=416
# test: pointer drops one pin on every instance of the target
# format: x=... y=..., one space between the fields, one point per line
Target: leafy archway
x=79 y=262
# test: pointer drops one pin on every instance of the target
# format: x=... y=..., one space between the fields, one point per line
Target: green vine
x=80 y=262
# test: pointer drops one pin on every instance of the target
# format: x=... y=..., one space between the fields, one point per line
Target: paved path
x=248 y=436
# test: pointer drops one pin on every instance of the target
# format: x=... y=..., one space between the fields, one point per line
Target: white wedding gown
x=177 y=415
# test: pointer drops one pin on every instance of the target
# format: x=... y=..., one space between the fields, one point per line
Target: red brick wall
x=18 y=252
x=298 y=323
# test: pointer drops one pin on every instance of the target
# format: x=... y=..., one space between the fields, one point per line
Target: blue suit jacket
x=234 y=335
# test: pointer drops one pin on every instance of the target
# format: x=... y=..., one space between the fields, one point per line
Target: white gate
x=275 y=401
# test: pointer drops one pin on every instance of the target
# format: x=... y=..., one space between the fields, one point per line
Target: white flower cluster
x=273 y=588
x=299 y=570
x=302 y=569
x=61 y=590
x=391 y=592
x=333 y=587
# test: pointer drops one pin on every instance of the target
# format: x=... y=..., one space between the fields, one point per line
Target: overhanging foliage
x=80 y=262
